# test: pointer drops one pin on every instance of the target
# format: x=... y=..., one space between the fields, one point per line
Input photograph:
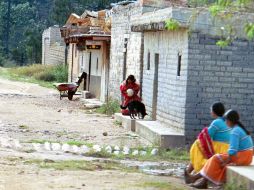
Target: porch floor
x=160 y=135
x=153 y=131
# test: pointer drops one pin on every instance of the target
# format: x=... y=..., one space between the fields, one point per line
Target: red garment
x=205 y=143
x=135 y=87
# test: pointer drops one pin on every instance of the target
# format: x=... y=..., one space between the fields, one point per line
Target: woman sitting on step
x=240 y=153
x=212 y=140
x=129 y=84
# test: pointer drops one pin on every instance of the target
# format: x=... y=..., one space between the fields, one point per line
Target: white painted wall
x=171 y=88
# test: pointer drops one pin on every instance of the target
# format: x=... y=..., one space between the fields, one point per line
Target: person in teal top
x=211 y=140
x=219 y=131
x=240 y=140
x=240 y=153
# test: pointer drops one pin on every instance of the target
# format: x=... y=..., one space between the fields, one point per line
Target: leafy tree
x=23 y=21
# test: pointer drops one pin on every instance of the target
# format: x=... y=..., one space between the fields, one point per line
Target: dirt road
x=30 y=112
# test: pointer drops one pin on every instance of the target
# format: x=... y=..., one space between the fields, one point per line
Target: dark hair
x=130 y=77
x=218 y=108
x=234 y=117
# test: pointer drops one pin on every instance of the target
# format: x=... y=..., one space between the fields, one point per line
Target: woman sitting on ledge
x=212 y=140
x=240 y=153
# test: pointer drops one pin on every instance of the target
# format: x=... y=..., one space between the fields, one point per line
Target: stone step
x=87 y=95
x=127 y=122
x=91 y=103
x=241 y=176
x=160 y=135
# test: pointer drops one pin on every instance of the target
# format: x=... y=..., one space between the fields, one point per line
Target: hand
x=226 y=162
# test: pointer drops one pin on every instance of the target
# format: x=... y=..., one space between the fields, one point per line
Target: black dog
x=136 y=107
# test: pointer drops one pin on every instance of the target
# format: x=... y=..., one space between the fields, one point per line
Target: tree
x=23 y=21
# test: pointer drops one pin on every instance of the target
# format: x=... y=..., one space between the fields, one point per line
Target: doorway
x=155 y=85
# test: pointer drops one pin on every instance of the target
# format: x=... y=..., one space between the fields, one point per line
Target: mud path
x=30 y=112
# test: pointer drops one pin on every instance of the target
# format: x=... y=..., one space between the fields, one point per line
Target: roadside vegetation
x=76 y=165
x=110 y=108
x=43 y=75
x=175 y=155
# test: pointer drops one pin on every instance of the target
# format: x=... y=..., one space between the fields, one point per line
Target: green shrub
x=61 y=73
x=1 y=61
x=29 y=70
x=49 y=73
x=172 y=24
x=4 y=62
x=45 y=76
x=111 y=107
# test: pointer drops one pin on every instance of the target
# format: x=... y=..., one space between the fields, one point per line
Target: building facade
x=185 y=72
x=88 y=40
x=53 y=47
x=181 y=72
x=126 y=51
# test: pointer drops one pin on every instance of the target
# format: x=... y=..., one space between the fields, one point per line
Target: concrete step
x=241 y=176
x=91 y=103
x=159 y=134
x=127 y=122
x=86 y=95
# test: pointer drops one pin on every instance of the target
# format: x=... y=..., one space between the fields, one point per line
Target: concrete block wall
x=53 y=49
x=134 y=54
x=56 y=55
x=171 y=88
x=121 y=29
x=218 y=74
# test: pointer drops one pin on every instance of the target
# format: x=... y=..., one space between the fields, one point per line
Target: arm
x=123 y=89
x=234 y=143
x=212 y=129
x=136 y=88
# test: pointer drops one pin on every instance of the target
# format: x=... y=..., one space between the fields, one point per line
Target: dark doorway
x=155 y=85
x=89 y=70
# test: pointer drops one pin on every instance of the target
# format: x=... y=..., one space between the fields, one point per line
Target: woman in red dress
x=129 y=83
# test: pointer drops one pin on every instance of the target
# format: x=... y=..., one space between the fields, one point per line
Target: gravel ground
x=30 y=112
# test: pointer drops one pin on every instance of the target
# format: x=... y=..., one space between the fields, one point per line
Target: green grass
x=111 y=107
x=41 y=141
x=163 y=155
x=23 y=127
x=79 y=143
x=235 y=186
x=43 y=75
x=158 y=186
x=74 y=165
x=117 y=123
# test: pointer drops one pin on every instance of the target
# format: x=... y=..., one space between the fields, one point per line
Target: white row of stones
x=7 y=142
x=116 y=150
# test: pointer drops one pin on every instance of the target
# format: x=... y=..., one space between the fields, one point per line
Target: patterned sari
x=204 y=148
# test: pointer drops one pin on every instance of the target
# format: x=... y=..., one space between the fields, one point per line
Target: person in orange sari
x=240 y=153
x=211 y=140
x=129 y=83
